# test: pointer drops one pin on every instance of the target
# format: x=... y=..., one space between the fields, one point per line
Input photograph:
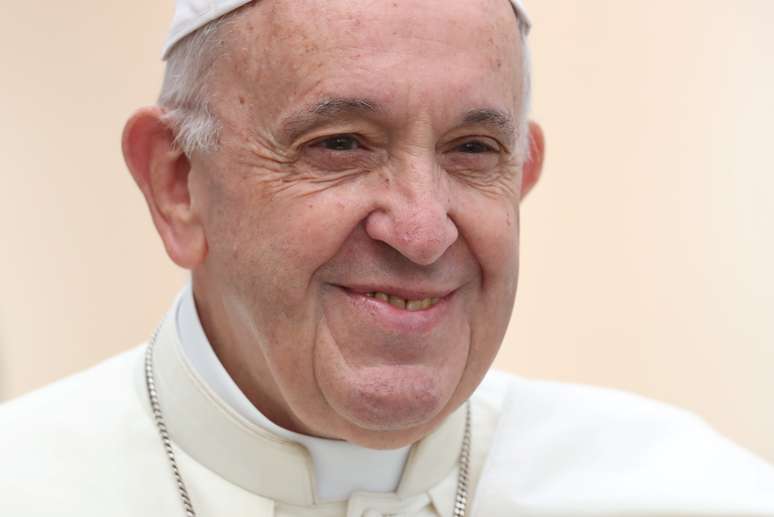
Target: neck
x=253 y=378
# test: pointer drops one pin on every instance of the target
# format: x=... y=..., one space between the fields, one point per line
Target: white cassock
x=87 y=446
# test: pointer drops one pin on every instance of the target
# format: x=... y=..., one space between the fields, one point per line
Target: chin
x=389 y=399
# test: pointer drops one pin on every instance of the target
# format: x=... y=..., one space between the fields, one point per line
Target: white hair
x=523 y=147
x=184 y=92
x=185 y=96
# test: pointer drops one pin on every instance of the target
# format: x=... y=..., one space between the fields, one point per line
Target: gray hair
x=185 y=96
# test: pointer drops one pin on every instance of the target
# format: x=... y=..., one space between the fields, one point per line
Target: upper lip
x=412 y=293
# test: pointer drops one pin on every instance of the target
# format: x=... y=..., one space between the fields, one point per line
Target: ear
x=162 y=171
x=534 y=164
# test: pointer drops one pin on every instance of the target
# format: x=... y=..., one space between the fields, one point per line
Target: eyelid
x=488 y=141
x=320 y=139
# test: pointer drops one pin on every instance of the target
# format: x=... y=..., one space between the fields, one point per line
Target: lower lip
x=401 y=320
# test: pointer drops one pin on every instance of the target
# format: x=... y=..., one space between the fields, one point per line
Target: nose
x=412 y=215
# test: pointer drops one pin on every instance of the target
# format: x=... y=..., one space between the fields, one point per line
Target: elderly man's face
x=361 y=212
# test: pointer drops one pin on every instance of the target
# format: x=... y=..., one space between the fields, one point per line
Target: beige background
x=647 y=248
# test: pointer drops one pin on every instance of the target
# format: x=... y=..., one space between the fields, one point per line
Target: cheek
x=272 y=246
x=490 y=226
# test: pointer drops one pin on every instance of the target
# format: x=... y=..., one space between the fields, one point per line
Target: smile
x=403 y=303
x=409 y=310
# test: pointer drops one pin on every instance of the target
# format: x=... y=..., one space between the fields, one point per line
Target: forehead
x=374 y=21
x=291 y=48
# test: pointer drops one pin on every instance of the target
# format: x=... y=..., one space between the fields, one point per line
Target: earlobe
x=533 y=166
x=162 y=172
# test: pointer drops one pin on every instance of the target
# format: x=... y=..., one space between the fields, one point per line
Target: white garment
x=567 y=450
x=87 y=446
x=341 y=468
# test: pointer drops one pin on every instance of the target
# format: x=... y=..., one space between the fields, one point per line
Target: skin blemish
x=241 y=100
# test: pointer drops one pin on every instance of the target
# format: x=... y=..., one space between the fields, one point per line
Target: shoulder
x=77 y=434
x=107 y=388
x=561 y=447
x=581 y=405
x=545 y=396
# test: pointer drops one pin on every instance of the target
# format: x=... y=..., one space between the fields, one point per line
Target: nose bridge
x=420 y=182
x=413 y=216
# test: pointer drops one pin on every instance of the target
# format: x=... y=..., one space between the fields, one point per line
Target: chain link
x=158 y=416
x=461 y=498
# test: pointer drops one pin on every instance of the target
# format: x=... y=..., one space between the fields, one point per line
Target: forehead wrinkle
x=325 y=110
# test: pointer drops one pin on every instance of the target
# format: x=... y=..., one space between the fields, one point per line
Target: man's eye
x=339 y=143
x=476 y=147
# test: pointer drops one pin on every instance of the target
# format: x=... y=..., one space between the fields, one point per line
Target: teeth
x=401 y=303
x=418 y=305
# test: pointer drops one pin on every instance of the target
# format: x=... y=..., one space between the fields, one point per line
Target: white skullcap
x=194 y=14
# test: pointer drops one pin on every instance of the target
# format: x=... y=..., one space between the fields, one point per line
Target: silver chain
x=158 y=416
x=460 y=499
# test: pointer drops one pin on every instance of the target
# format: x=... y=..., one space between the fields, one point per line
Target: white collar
x=341 y=468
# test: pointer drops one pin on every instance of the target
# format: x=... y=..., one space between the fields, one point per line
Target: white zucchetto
x=194 y=14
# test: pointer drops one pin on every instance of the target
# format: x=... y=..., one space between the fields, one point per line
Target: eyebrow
x=325 y=110
x=337 y=107
x=500 y=121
